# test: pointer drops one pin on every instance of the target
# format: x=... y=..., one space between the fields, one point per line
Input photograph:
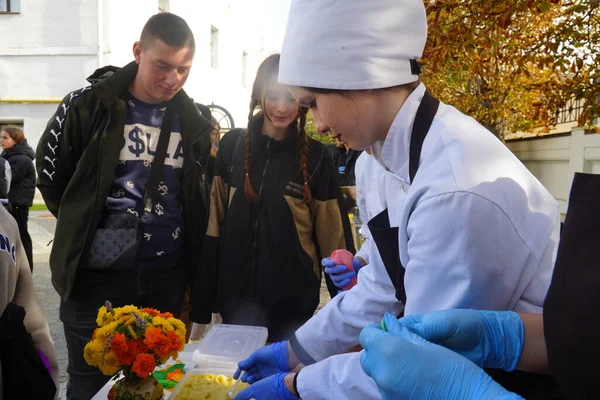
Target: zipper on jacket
x=260 y=190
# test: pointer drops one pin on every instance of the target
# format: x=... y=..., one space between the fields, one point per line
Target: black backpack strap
x=156 y=171
x=240 y=137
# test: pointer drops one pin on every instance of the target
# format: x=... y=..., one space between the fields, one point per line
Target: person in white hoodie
x=463 y=223
x=16 y=286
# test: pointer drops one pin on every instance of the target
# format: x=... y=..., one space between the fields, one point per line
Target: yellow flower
x=132 y=332
x=121 y=311
x=179 y=328
x=102 y=316
x=126 y=320
x=92 y=353
x=106 y=330
x=160 y=321
x=177 y=324
x=110 y=363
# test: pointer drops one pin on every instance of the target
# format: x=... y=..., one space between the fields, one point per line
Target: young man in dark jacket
x=94 y=162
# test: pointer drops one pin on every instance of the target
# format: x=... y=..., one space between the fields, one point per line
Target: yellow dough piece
x=207 y=387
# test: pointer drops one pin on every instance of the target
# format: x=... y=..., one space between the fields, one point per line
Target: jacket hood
x=102 y=73
x=20 y=149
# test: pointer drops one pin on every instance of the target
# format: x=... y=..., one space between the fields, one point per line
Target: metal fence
x=570 y=112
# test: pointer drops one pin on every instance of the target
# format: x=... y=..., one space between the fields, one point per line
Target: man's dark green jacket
x=76 y=160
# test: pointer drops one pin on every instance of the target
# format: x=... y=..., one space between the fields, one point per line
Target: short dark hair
x=170 y=28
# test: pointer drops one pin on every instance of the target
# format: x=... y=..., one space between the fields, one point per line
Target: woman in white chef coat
x=463 y=223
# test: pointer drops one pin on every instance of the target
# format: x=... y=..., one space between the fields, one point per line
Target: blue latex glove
x=340 y=276
x=271 y=388
x=491 y=339
x=264 y=362
x=406 y=366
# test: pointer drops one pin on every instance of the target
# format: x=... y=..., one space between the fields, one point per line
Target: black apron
x=530 y=386
x=572 y=306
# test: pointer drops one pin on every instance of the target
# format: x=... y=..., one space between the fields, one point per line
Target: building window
x=10 y=6
x=163 y=5
x=214 y=46
x=245 y=69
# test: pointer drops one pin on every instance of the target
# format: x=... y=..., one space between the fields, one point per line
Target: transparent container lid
x=226 y=345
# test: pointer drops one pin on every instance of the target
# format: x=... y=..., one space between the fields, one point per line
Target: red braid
x=303 y=143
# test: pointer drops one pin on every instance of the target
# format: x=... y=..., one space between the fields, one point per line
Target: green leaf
x=168 y=384
x=176 y=367
x=160 y=375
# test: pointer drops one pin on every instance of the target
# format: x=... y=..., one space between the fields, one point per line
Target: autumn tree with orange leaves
x=512 y=64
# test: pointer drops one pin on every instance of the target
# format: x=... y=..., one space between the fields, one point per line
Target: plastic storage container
x=222 y=348
x=226 y=345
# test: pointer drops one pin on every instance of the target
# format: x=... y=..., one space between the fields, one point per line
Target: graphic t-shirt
x=162 y=244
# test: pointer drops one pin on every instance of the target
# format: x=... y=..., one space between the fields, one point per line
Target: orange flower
x=175 y=341
x=166 y=315
x=151 y=311
x=118 y=342
x=120 y=347
x=144 y=365
x=175 y=376
x=158 y=342
x=137 y=346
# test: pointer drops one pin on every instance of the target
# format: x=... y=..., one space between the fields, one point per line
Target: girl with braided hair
x=276 y=210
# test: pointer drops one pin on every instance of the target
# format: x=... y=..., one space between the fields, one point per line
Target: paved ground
x=41 y=228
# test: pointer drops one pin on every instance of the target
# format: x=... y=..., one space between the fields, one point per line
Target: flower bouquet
x=134 y=341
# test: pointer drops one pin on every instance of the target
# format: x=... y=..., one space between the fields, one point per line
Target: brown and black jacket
x=265 y=256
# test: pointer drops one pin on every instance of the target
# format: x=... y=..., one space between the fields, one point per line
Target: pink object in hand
x=344 y=257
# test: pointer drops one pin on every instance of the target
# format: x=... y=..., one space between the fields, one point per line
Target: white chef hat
x=353 y=44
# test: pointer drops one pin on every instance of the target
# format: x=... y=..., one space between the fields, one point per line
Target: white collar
x=393 y=153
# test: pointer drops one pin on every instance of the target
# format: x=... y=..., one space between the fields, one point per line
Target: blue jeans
x=162 y=289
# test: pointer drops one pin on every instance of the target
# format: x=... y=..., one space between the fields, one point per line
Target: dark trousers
x=161 y=289
x=21 y=215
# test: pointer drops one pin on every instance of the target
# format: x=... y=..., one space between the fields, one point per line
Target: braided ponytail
x=303 y=144
x=249 y=191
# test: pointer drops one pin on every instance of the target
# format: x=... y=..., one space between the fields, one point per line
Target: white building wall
x=46 y=51
x=555 y=160
x=239 y=31
x=124 y=21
